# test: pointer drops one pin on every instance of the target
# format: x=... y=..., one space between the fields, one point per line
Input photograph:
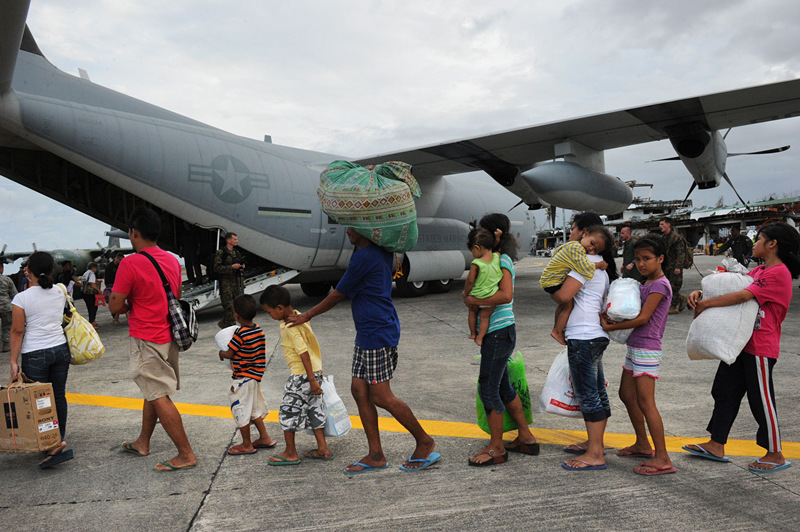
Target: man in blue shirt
x=368 y=283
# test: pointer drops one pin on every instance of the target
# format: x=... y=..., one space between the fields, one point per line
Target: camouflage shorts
x=301 y=409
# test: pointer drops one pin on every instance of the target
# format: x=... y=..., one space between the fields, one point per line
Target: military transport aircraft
x=103 y=152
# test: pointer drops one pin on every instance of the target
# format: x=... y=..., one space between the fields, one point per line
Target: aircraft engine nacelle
x=572 y=186
x=425 y=265
x=701 y=151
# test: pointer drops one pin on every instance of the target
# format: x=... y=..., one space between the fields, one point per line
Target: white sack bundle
x=624 y=301
x=722 y=332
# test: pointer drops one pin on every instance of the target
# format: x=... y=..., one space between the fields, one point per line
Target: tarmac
x=104 y=488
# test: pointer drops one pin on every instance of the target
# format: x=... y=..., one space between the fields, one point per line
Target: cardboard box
x=29 y=421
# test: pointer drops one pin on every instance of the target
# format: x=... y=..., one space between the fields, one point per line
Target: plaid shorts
x=374 y=365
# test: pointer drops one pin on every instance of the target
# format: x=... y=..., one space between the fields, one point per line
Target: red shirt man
x=138 y=292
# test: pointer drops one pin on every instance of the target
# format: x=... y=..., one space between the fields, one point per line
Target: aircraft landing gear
x=315 y=289
x=441 y=286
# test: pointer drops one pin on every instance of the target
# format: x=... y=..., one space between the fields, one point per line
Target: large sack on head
x=378 y=203
x=721 y=333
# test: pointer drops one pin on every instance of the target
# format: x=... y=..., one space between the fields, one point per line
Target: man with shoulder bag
x=139 y=292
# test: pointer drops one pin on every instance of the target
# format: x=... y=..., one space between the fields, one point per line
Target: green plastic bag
x=516 y=373
x=377 y=202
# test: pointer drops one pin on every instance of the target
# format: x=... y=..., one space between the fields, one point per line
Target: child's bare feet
x=285 y=456
x=559 y=337
x=264 y=443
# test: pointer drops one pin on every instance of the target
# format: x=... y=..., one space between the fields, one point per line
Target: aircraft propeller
x=722 y=168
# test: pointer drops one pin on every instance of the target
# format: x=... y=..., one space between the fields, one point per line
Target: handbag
x=83 y=340
x=87 y=289
x=180 y=314
x=516 y=374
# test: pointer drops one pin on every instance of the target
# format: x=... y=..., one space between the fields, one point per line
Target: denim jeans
x=494 y=385
x=51 y=365
x=589 y=382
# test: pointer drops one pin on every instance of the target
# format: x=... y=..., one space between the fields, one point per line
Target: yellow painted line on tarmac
x=453 y=429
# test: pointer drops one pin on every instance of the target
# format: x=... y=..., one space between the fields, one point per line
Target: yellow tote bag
x=84 y=342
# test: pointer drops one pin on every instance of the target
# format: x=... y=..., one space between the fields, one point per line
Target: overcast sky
x=379 y=76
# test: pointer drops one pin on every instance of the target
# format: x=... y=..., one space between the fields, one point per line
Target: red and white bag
x=558 y=396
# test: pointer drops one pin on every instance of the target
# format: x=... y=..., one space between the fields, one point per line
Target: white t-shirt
x=88 y=277
x=44 y=310
x=584 y=321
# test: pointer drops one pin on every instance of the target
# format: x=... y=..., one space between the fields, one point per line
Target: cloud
x=380 y=76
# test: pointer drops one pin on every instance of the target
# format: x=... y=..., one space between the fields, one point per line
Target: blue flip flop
x=426 y=462
x=589 y=467
x=702 y=453
x=777 y=467
x=367 y=468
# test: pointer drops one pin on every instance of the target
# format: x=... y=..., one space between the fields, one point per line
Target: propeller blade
x=762 y=152
x=728 y=179
x=725 y=136
x=691 y=188
x=515 y=206
x=665 y=159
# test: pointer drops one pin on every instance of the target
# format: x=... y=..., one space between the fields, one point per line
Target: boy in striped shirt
x=248 y=361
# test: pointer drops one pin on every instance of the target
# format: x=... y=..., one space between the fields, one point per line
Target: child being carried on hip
x=248 y=362
x=572 y=256
x=303 y=406
x=483 y=279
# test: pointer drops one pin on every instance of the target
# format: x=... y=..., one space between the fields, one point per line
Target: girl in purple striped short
x=640 y=371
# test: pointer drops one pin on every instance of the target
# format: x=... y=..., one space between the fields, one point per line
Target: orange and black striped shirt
x=249 y=359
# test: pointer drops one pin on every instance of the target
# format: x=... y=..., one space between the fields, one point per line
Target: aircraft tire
x=407 y=289
x=315 y=289
x=441 y=286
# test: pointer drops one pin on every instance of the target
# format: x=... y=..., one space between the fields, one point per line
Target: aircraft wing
x=519 y=149
x=7 y=257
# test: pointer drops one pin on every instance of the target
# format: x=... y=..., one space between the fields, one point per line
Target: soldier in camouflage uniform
x=229 y=268
x=7 y=293
x=676 y=257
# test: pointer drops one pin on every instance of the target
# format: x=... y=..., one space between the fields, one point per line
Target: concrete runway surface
x=104 y=488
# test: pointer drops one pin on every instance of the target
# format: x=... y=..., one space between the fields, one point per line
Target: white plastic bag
x=223 y=338
x=338 y=422
x=729 y=264
x=620 y=335
x=624 y=301
x=558 y=397
x=722 y=332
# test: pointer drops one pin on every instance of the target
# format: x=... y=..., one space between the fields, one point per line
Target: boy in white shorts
x=248 y=362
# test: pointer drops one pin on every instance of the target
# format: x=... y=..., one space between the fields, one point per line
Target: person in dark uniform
x=229 y=268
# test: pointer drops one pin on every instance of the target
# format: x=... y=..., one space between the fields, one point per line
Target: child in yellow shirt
x=302 y=406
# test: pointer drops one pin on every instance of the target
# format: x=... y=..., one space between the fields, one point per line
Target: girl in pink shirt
x=751 y=373
x=639 y=373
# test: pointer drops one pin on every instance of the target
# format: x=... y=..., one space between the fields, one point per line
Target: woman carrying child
x=642 y=362
x=751 y=373
x=586 y=343
x=571 y=256
x=495 y=387
x=482 y=280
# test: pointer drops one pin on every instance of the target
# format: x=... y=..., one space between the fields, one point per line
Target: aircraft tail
x=13 y=14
